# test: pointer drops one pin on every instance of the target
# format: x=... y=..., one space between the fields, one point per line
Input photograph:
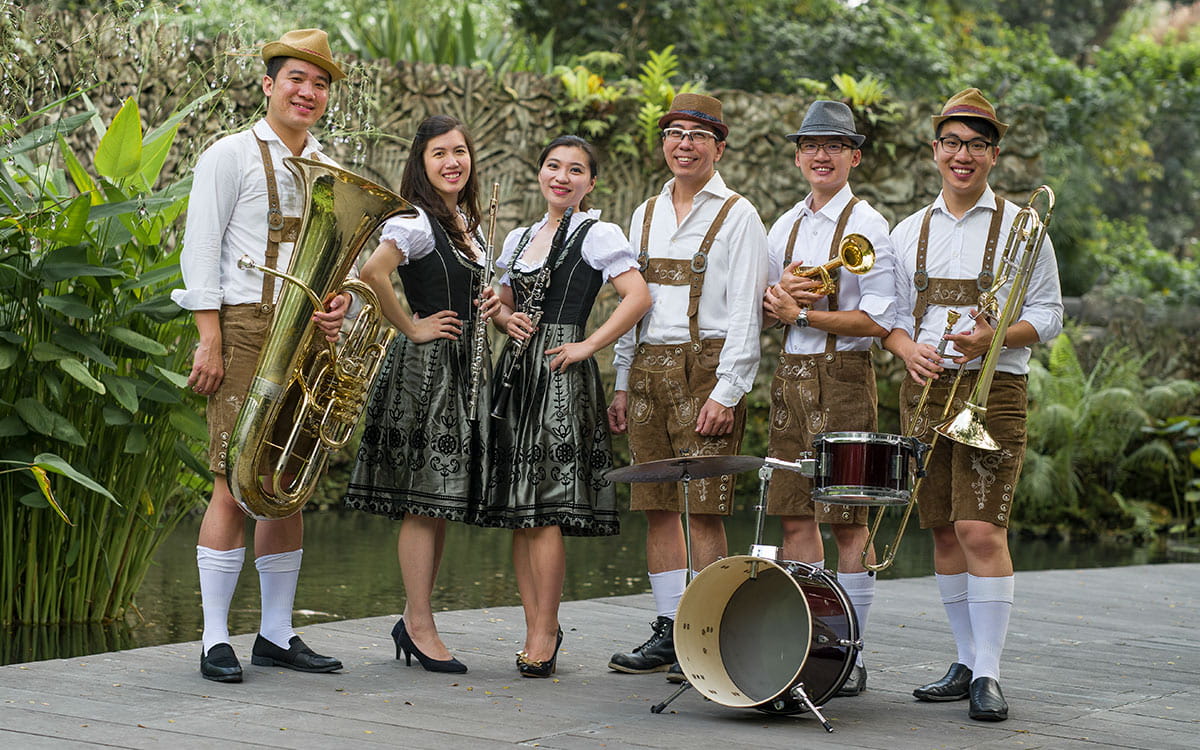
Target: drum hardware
x=798 y=694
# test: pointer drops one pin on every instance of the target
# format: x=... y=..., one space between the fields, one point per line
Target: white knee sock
x=667 y=588
x=219 y=571
x=953 y=589
x=990 y=601
x=860 y=587
x=277 y=576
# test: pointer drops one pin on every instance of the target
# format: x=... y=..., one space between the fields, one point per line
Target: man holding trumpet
x=946 y=255
x=824 y=380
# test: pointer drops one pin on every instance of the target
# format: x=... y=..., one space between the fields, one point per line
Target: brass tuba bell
x=307 y=394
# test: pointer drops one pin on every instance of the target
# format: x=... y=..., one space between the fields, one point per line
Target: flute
x=479 y=339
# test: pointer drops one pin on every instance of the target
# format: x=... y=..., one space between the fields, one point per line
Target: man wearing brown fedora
x=683 y=372
x=825 y=381
x=946 y=253
x=245 y=202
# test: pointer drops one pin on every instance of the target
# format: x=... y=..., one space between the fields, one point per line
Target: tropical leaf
x=137 y=341
x=119 y=155
x=56 y=464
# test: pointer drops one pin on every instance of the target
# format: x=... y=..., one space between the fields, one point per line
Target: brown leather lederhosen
x=244 y=328
x=815 y=393
x=669 y=384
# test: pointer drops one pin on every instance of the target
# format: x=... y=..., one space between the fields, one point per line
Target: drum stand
x=757 y=549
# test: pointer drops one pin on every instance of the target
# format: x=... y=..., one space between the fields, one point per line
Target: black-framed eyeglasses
x=698 y=137
x=975 y=146
x=833 y=148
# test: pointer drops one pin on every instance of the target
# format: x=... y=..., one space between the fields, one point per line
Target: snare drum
x=862 y=468
x=749 y=630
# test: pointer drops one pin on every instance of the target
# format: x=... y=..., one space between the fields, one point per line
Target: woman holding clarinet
x=550 y=441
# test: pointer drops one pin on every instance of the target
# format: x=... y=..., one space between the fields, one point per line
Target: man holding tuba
x=824 y=380
x=946 y=255
x=244 y=202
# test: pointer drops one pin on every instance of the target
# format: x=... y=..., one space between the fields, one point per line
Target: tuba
x=307 y=393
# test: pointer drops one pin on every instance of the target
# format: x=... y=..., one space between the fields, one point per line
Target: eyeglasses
x=833 y=148
x=975 y=146
x=698 y=137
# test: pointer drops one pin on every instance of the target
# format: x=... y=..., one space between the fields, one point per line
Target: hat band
x=697 y=113
x=969 y=110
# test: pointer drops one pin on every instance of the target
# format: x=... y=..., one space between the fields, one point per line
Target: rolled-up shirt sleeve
x=878 y=285
x=747 y=277
x=1043 y=308
x=210 y=205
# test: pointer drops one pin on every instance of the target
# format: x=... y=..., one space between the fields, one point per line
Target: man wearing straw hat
x=946 y=253
x=824 y=381
x=245 y=202
x=683 y=371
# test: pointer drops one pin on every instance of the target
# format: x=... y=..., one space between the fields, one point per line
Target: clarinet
x=479 y=339
x=537 y=295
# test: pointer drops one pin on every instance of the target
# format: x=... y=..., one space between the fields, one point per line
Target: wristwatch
x=802 y=318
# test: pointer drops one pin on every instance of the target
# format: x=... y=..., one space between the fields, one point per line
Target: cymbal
x=692 y=467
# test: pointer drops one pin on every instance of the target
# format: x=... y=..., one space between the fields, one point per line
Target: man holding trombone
x=948 y=263
x=824 y=380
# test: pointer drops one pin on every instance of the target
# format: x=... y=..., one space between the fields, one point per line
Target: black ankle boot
x=655 y=655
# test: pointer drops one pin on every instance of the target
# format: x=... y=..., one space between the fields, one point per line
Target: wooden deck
x=1097 y=658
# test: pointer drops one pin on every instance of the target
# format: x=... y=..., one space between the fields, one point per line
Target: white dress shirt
x=731 y=299
x=227 y=218
x=873 y=292
x=956 y=249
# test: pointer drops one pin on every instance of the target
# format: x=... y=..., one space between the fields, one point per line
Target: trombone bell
x=967 y=427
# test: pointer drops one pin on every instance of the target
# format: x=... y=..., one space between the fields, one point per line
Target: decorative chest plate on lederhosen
x=280 y=229
x=953 y=292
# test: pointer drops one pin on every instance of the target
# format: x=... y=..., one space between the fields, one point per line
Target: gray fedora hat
x=825 y=117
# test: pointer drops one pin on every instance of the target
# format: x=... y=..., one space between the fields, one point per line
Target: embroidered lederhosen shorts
x=965 y=483
x=668 y=384
x=812 y=394
x=243 y=333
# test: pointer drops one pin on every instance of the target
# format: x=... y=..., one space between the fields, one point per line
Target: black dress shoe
x=675 y=674
x=657 y=654
x=220 y=664
x=297 y=656
x=405 y=646
x=987 y=702
x=955 y=686
x=856 y=683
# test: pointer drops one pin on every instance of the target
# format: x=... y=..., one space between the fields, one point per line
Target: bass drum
x=749 y=630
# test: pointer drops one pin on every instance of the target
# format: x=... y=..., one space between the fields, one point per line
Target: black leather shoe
x=533 y=668
x=297 y=656
x=220 y=664
x=955 y=686
x=675 y=674
x=987 y=702
x=856 y=683
x=657 y=654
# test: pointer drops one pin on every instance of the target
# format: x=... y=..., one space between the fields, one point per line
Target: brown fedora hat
x=310 y=45
x=969 y=103
x=705 y=110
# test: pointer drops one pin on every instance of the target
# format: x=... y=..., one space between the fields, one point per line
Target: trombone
x=1028 y=231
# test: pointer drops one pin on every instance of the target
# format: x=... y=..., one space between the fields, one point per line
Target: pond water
x=350 y=571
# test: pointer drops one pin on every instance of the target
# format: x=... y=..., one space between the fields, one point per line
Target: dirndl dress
x=552 y=447
x=421 y=453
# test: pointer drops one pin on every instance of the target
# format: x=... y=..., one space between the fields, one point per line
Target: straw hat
x=970 y=103
x=310 y=45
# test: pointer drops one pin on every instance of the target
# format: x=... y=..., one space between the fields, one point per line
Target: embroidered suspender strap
x=699 y=265
x=791 y=245
x=644 y=253
x=834 y=246
x=280 y=228
x=953 y=292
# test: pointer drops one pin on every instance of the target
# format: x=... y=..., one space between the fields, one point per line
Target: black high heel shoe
x=405 y=646
x=533 y=668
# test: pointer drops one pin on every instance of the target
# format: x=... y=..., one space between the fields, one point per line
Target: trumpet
x=856 y=253
x=1029 y=230
x=479 y=335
